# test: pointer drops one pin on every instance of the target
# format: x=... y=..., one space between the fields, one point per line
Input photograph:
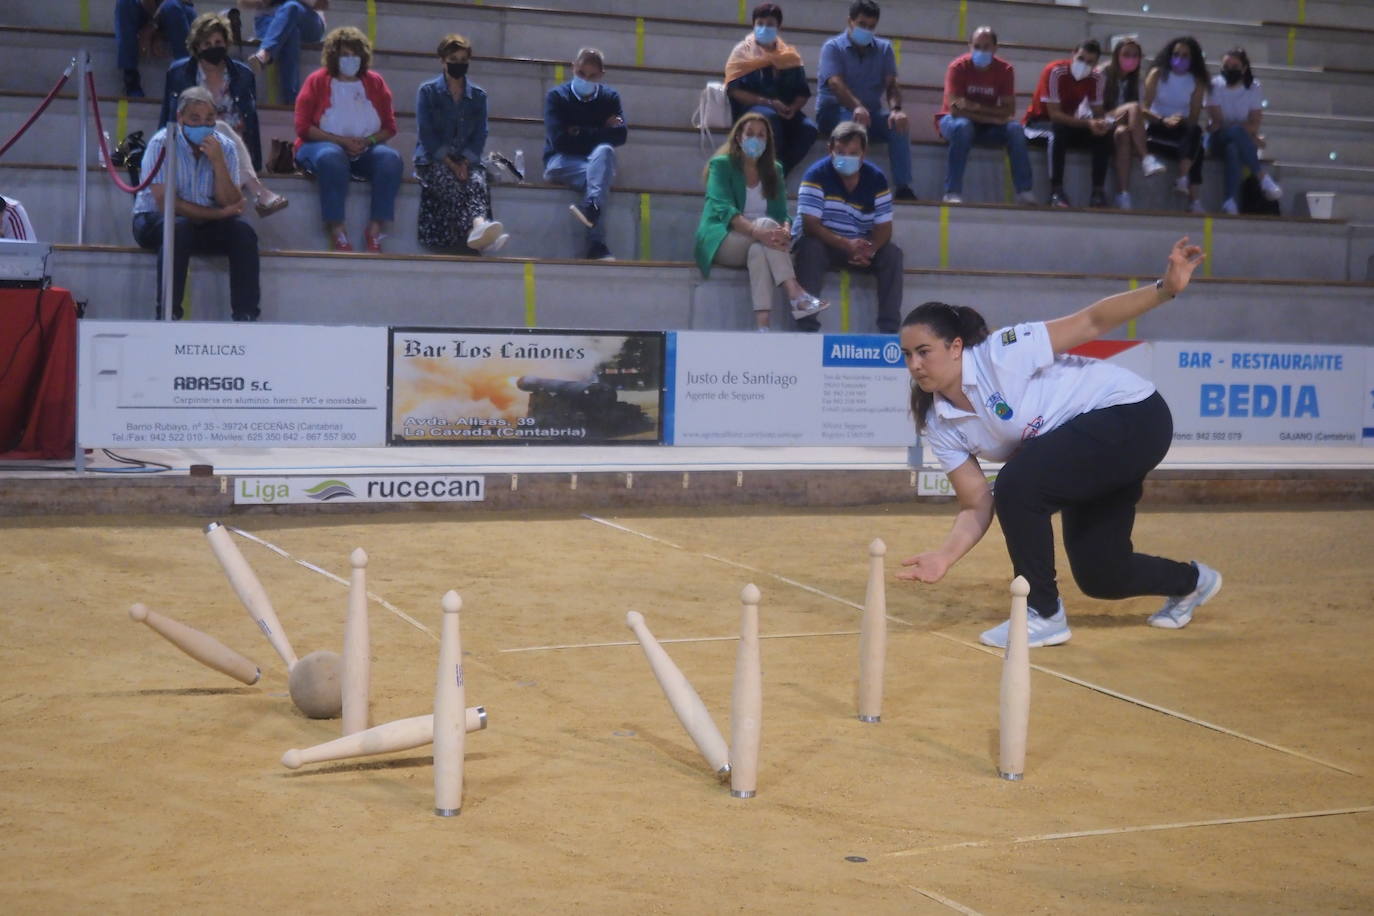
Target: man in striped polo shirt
x=845 y=223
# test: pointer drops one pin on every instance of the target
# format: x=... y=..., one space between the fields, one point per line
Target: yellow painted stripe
x=530 y=315
x=897 y=50
x=845 y=301
x=944 y=236
x=85 y=15
x=121 y=120
x=1007 y=185
x=1292 y=44
x=559 y=75
x=639 y=41
x=270 y=74
x=743 y=12
x=1302 y=11
x=646 y=250
x=372 y=22
x=963 y=19
x=1130 y=325
x=1207 y=246
x=186 y=297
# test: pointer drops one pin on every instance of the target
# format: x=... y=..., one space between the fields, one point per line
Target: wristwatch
x=1159 y=286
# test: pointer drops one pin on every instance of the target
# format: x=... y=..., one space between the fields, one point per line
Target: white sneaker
x=500 y=243
x=1181 y=185
x=1044 y=631
x=1178 y=611
x=484 y=233
x=952 y=199
x=1123 y=200
x=1026 y=198
x=1271 y=189
x=1196 y=207
x=1229 y=206
x=763 y=329
x=1150 y=165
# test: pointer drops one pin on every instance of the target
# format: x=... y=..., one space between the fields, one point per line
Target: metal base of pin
x=723 y=773
x=257 y=677
x=1010 y=777
x=750 y=794
x=870 y=718
x=448 y=812
x=482 y=717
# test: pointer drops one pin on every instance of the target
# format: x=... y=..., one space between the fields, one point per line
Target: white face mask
x=1080 y=70
x=349 y=65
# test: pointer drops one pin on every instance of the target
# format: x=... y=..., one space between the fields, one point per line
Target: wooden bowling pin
x=249 y=590
x=1015 y=710
x=401 y=735
x=684 y=699
x=746 y=703
x=202 y=647
x=873 y=637
x=449 y=731
x=357 y=651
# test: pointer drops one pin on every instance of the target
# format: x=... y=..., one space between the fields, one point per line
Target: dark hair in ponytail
x=946 y=322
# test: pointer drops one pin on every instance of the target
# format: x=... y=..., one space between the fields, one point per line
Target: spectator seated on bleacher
x=1066 y=109
x=231 y=84
x=1175 y=89
x=281 y=26
x=14 y=221
x=451 y=119
x=137 y=25
x=208 y=205
x=1234 y=109
x=344 y=117
x=844 y=222
x=765 y=74
x=858 y=82
x=1121 y=100
x=980 y=110
x=583 y=124
x=744 y=219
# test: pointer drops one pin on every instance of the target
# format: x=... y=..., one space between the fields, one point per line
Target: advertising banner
x=455 y=387
x=1369 y=397
x=153 y=384
x=417 y=488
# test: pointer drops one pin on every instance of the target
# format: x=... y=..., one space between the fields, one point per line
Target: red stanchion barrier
x=42 y=107
x=105 y=152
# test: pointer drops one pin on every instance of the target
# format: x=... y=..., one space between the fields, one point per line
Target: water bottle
x=520 y=163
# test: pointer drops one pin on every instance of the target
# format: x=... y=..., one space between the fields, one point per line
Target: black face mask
x=457 y=71
x=215 y=55
x=1232 y=76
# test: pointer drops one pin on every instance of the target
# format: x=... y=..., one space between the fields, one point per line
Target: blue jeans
x=173 y=18
x=1235 y=147
x=592 y=175
x=792 y=138
x=282 y=32
x=333 y=170
x=898 y=145
x=963 y=134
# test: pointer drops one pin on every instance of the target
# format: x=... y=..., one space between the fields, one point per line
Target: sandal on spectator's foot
x=373 y=241
x=807 y=305
x=339 y=242
x=484 y=233
x=270 y=203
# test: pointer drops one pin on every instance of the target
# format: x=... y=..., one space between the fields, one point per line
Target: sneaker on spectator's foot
x=952 y=199
x=484 y=233
x=597 y=251
x=763 y=329
x=807 y=305
x=904 y=193
x=1026 y=197
x=1181 y=185
x=1123 y=200
x=339 y=242
x=1270 y=188
x=586 y=213
x=1098 y=198
x=1044 y=631
x=1150 y=165
x=1178 y=611
x=497 y=245
x=1195 y=206
x=373 y=241
x=1058 y=201
x=1229 y=206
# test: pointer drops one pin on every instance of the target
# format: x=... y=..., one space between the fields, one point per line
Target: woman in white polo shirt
x=1077 y=436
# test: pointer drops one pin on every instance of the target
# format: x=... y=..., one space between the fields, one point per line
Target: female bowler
x=1077 y=436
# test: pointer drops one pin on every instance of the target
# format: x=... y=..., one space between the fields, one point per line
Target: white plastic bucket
x=1320 y=203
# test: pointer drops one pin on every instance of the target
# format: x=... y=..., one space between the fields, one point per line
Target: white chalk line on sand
x=1105 y=691
x=1141 y=828
x=339 y=579
x=954 y=905
x=633 y=642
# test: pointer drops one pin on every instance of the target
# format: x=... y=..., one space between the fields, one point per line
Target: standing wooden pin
x=746 y=704
x=684 y=699
x=201 y=646
x=1015 y=712
x=357 y=651
x=249 y=590
x=873 y=637
x=449 y=716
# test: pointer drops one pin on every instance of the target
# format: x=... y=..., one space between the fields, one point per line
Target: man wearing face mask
x=583 y=124
x=844 y=210
x=208 y=205
x=858 y=82
x=1067 y=110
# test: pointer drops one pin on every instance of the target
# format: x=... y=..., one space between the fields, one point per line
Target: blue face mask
x=846 y=165
x=583 y=88
x=349 y=65
x=862 y=37
x=765 y=34
x=982 y=59
x=196 y=135
x=753 y=147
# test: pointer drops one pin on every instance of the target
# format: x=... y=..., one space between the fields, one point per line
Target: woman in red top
x=343 y=119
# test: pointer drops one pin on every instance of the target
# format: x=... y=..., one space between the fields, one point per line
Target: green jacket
x=724 y=201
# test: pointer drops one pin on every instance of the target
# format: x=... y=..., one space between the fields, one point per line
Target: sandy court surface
x=133 y=779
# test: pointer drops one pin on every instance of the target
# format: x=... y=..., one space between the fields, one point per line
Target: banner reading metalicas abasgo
x=507 y=387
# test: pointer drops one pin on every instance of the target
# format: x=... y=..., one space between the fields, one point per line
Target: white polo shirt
x=1019 y=389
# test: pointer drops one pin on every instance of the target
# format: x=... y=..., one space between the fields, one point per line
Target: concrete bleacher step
x=470 y=292
x=1348 y=13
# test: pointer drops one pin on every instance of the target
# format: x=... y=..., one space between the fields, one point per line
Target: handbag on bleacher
x=713 y=111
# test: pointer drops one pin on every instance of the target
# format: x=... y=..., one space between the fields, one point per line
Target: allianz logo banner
x=429 y=488
x=869 y=351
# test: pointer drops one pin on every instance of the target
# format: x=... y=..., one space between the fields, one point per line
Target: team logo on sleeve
x=1008 y=337
x=998 y=405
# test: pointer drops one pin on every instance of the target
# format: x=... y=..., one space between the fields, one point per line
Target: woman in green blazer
x=744 y=220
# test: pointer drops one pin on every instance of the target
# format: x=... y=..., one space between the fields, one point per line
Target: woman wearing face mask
x=744 y=220
x=451 y=119
x=231 y=85
x=1121 y=98
x=344 y=117
x=1174 y=92
x=1234 y=109
x=764 y=74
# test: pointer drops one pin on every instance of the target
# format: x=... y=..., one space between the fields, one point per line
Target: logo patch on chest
x=1008 y=337
x=998 y=405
